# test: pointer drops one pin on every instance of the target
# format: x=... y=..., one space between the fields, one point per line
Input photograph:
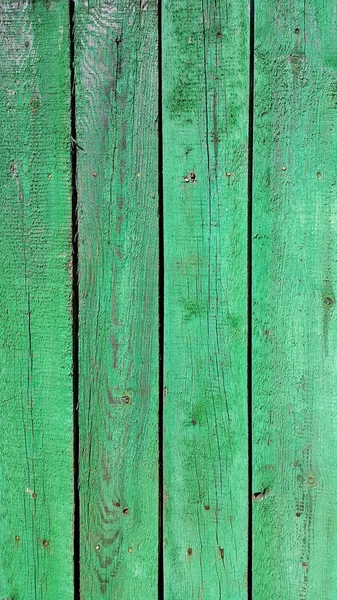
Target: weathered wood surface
x=117 y=180
x=36 y=426
x=294 y=314
x=206 y=252
x=205 y=129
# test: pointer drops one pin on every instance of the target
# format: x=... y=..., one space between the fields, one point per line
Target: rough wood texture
x=205 y=126
x=117 y=105
x=36 y=451
x=205 y=112
x=294 y=281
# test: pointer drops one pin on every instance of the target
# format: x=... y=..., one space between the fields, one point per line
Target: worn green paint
x=294 y=314
x=117 y=180
x=205 y=113
x=36 y=448
x=205 y=129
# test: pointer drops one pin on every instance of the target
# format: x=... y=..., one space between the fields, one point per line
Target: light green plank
x=116 y=91
x=294 y=287
x=36 y=449
x=205 y=126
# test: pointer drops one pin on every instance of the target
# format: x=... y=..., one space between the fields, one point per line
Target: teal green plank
x=36 y=448
x=117 y=106
x=294 y=287
x=205 y=129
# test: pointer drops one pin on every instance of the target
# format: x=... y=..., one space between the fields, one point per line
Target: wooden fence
x=168 y=330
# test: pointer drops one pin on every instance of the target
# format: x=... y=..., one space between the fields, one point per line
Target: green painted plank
x=205 y=129
x=117 y=106
x=294 y=287
x=36 y=447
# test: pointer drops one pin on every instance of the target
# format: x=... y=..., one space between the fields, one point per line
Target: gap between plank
x=161 y=300
x=250 y=300
x=75 y=302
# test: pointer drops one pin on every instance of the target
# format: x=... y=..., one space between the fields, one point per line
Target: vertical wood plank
x=205 y=128
x=36 y=448
x=294 y=295
x=117 y=106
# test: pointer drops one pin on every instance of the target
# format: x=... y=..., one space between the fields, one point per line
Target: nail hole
x=126 y=399
x=193 y=422
x=45 y=543
x=125 y=511
x=221 y=552
x=189 y=551
x=298 y=514
x=206 y=507
x=17 y=538
x=297 y=30
x=329 y=301
x=319 y=175
x=284 y=168
x=94 y=174
x=118 y=504
x=97 y=547
x=311 y=480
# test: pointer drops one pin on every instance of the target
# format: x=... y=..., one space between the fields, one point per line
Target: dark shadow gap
x=160 y=316
x=75 y=303
x=250 y=300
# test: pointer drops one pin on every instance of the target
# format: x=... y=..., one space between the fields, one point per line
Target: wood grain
x=294 y=281
x=205 y=129
x=36 y=448
x=117 y=107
